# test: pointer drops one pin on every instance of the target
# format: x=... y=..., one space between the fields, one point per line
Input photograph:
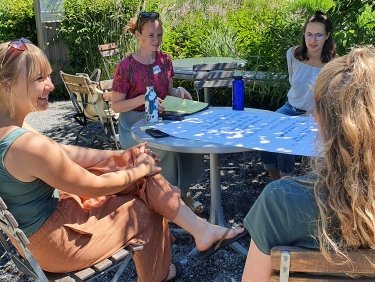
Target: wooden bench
x=250 y=77
x=305 y=265
x=29 y=266
x=208 y=76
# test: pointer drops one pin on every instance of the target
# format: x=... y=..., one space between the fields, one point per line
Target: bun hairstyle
x=329 y=47
x=137 y=23
x=132 y=25
x=319 y=14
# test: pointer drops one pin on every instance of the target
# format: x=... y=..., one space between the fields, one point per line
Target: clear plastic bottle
x=151 y=105
x=238 y=93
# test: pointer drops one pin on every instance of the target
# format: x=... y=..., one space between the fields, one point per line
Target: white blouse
x=302 y=79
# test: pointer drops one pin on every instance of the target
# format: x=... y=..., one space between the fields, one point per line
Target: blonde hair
x=345 y=190
x=31 y=62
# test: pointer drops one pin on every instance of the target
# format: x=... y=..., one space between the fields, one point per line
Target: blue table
x=174 y=144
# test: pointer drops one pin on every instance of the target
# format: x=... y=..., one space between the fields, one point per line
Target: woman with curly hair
x=333 y=208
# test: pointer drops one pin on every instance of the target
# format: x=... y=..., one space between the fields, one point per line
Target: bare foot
x=213 y=234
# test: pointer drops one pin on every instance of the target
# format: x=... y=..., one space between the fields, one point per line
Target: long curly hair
x=345 y=189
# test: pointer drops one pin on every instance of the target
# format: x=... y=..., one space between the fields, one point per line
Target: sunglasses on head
x=15 y=45
x=146 y=16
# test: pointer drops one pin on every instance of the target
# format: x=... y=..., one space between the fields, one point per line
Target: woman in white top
x=304 y=64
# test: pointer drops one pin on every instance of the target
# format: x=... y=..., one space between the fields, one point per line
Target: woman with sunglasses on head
x=333 y=208
x=304 y=64
x=77 y=205
x=151 y=67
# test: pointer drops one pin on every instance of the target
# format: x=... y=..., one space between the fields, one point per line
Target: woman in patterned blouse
x=151 y=67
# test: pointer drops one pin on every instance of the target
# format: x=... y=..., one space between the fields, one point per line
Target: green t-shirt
x=31 y=203
x=285 y=214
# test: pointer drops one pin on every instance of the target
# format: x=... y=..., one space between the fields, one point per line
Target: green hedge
x=259 y=31
x=87 y=24
x=17 y=20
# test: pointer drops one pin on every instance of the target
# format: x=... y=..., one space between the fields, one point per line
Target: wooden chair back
x=305 y=265
x=90 y=105
x=12 y=238
x=111 y=55
x=213 y=75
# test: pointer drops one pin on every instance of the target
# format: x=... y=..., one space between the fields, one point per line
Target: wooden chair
x=111 y=55
x=208 y=76
x=305 y=265
x=91 y=104
x=29 y=266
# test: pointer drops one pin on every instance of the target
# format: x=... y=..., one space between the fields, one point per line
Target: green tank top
x=31 y=203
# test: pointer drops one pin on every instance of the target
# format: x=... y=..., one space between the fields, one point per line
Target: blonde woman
x=77 y=205
x=332 y=209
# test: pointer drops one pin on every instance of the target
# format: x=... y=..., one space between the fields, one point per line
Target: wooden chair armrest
x=313 y=261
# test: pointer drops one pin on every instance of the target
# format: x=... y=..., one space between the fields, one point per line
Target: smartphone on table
x=156 y=133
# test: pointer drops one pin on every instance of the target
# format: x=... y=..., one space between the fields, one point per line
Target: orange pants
x=81 y=232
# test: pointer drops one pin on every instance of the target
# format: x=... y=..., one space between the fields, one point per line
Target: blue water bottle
x=238 y=93
x=151 y=105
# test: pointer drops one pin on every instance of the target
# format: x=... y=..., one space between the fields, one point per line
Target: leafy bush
x=17 y=20
x=259 y=31
x=354 y=23
x=87 y=24
x=198 y=29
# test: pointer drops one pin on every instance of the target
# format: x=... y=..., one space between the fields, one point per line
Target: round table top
x=180 y=145
x=188 y=63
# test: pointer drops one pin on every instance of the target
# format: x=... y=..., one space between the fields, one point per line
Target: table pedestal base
x=216 y=209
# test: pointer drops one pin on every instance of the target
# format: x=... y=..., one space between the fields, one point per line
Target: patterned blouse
x=132 y=77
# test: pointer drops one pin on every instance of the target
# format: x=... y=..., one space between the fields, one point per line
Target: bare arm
x=121 y=104
x=34 y=156
x=258 y=266
x=87 y=157
x=84 y=157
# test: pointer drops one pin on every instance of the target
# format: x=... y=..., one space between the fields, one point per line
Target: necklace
x=147 y=60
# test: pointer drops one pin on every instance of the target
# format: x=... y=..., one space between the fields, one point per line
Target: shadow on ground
x=242 y=177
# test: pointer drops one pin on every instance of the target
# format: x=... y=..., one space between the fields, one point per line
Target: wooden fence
x=55 y=49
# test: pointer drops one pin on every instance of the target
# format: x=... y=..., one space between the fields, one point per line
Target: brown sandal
x=221 y=243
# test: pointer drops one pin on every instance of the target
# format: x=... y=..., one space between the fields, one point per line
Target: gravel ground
x=242 y=180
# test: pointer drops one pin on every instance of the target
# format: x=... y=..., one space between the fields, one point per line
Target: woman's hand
x=184 y=94
x=149 y=163
x=144 y=149
x=152 y=154
x=149 y=159
x=160 y=106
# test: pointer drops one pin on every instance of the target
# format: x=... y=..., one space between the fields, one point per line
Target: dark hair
x=139 y=21
x=329 y=47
